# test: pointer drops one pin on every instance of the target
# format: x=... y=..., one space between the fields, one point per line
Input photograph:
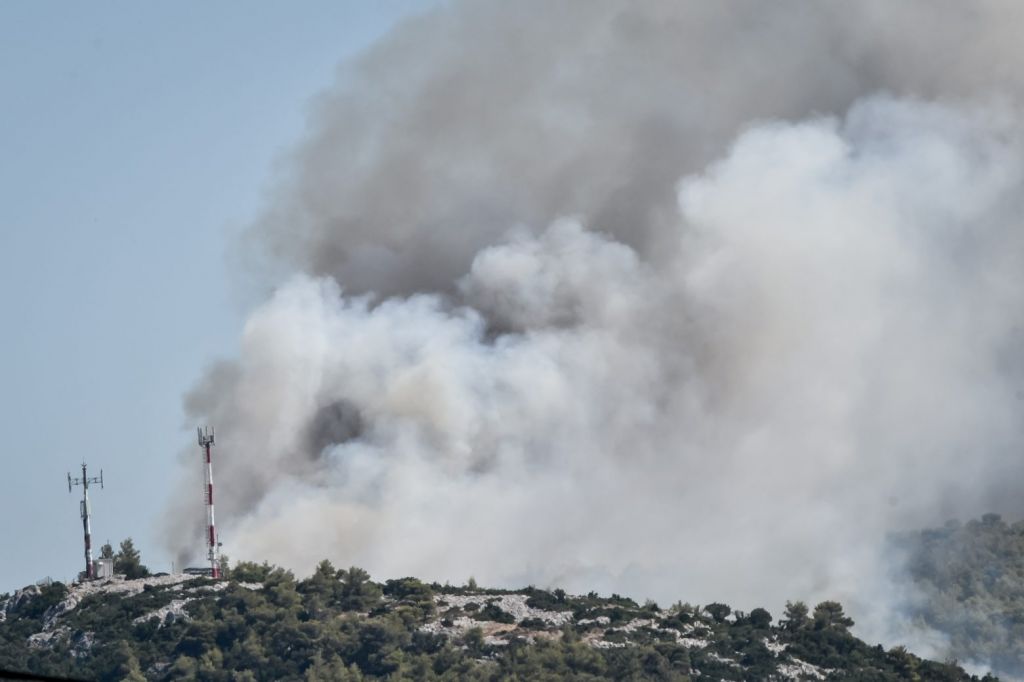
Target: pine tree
x=796 y=616
x=829 y=615
x=128 y=561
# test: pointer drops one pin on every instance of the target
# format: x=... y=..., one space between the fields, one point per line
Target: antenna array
x=85 y=481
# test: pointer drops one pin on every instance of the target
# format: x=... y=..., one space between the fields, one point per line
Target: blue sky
x=135 y=138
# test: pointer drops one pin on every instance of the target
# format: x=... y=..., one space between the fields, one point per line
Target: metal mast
x=84 y=481
x=213 y=552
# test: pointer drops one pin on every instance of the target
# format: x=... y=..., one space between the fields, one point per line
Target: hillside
x=968 y=583
x=263 y=624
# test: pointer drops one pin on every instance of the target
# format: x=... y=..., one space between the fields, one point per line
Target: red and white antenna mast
x=84 y=481
x=213 y=547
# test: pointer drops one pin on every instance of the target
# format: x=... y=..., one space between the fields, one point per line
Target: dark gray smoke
x=675 y=299
x=333 y=425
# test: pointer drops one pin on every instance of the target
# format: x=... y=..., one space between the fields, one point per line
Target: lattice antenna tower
x=85 y=481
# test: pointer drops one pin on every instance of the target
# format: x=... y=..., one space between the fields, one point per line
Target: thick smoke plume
x=672 y=299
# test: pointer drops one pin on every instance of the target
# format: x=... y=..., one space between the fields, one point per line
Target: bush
x=719 y=612
x=493 y=612
x=760 y=618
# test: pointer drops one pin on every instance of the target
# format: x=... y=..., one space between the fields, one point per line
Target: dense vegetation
x=969 y=581
x=263 y=624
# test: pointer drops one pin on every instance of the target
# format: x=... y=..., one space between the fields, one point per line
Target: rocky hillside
x=263 y=624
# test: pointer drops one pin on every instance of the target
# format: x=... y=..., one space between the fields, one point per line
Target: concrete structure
x=103 y=568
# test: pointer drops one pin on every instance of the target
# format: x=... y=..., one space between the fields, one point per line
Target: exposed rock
x=116 y=585
x=47 y=638
x=20 y=598
x=173 y=612
x=799 y=670
x=512 y=604
x=81 y=643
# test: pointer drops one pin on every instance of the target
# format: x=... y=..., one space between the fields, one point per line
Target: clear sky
x=134 y=138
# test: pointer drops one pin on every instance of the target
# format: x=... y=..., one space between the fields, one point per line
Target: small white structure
x=103 y=569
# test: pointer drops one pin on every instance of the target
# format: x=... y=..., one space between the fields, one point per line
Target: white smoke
x=720 y=371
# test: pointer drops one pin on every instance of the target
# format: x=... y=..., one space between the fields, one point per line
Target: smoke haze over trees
x=626 y=296
x=968 y=582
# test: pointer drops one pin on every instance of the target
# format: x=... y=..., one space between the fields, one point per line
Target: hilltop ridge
x=263 y=624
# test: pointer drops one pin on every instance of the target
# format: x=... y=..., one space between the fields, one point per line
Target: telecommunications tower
x=213 y=547
x=84 y=481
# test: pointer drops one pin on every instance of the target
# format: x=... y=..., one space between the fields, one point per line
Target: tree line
x=339 y=624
